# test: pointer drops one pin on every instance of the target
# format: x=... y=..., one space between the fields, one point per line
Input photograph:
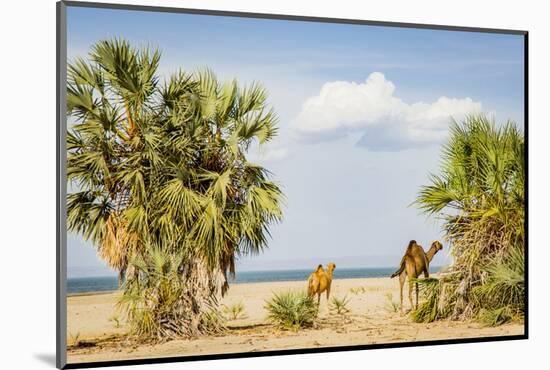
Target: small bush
x=496 y=299
x=213 y=320
x=74 y=339
x=430 y=290
x=235 y=311
x=358 y=290
x=339 y=305
x=494 y=317
x=116 y=320
x=391 y=306
x=292 y=310
x=504 y=284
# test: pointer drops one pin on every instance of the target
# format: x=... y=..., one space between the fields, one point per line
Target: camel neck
x=431 y=253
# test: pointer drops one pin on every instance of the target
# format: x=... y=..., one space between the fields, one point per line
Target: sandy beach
x=98 y=329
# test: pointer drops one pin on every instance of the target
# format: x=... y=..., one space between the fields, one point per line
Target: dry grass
x=235 y=311
x=340 y=306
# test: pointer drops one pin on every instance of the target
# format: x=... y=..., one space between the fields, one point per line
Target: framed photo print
x=234 y=184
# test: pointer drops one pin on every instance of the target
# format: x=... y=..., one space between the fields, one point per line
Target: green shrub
x=292 y=310
x=391 y=305
x=504 y=283
x=494 y=317
x=116 y=320
x=429 y=290
x=235 y=311
x=357 y=290
x=340 y=305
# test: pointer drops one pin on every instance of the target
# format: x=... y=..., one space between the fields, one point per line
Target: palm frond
x=480 y=195
x=164 y=188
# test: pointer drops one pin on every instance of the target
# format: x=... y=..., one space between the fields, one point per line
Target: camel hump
x=320 y=267
x=412 y=243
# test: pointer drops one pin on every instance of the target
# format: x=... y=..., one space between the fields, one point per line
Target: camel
x=320 y=281
x=415 y=262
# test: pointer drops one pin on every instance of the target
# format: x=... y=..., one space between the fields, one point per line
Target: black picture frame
x=61 y=188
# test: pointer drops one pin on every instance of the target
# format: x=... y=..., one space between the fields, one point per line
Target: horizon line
x=114 y=275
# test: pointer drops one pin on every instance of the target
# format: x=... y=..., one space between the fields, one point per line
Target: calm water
x=102 y=284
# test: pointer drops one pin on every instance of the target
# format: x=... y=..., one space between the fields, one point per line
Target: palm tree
x=480 y=196
x=162 y=167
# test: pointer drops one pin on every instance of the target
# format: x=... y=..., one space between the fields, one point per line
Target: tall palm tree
x=480 y=195
x=162 y=167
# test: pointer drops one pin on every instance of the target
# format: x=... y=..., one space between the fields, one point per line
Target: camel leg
x=411 y=292
x=411 y=274
x=319 y=299
x=416 y=306
x=328 y=294
x=402 y=278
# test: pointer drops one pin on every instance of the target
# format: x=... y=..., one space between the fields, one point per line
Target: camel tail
x=400 y=269
x=402 y=265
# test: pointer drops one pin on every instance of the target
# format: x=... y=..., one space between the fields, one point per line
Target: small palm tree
x=160 y=168
x=480 y=194
x=292 y=310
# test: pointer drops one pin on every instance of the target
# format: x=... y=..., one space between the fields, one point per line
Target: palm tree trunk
x=204 y=293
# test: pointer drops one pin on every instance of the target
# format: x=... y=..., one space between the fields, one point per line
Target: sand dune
x=94 y=321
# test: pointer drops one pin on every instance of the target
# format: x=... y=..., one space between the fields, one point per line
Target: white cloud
x=371 y=108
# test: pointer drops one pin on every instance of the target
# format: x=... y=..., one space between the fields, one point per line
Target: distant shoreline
x=110 y=292
x=243 y=284
x=83 y=294
x=109 y=284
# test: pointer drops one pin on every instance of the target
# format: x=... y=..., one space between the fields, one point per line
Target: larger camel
x=320 y=281
x=415 y=262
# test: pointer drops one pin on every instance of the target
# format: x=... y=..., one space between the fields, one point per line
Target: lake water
x=108 y=283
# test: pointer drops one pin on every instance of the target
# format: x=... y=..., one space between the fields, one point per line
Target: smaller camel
x=320 y=281
x=415 y=262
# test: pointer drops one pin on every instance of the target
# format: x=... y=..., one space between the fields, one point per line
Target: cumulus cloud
x=371 y=108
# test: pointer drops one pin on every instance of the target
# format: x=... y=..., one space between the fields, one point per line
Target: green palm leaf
x=163 y=187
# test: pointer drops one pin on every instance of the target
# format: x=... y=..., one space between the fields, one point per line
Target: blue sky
x=363 y=111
